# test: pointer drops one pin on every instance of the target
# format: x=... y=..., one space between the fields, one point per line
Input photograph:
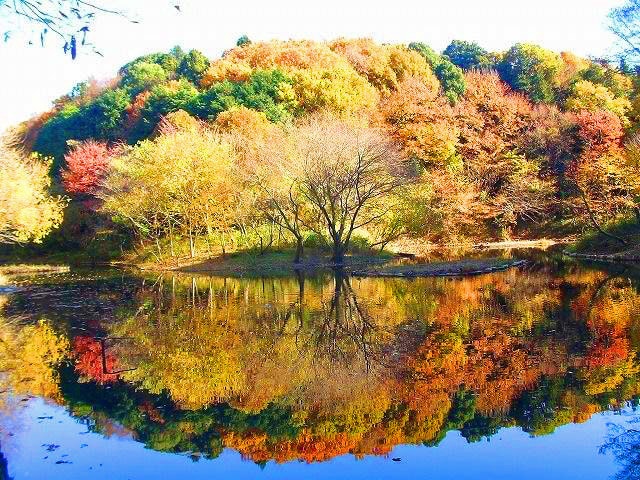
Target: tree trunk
x=223 y=244
x=192 y=247
x=595 y=223
x=299 y=250
x=301 y=279
x=171 y=240
x=338 y=252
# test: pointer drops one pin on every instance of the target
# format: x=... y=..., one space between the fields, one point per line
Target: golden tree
x=28 y=211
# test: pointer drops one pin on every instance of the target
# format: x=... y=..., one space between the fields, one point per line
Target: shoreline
x=604 y=257
x=359 y=265
x=459 y=268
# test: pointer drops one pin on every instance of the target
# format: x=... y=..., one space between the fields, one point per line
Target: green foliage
x=359 y=244
x=102 y=118
x=619 y=83
x=540 y=411
x=451 y=77
x=532 y=70
x=142 y=76
x=107 y=113
x=597 y=242
x=429 y=54
x=193 y=65
x=220 y=97
x=468 y=55
x=66 y=124
x=168 y=61
x=243 y=40
x=480 y=427
x=164 y=99
x=452 y=80
x=263 y=91
x=462 y=411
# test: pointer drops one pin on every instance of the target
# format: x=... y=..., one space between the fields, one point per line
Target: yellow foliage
x=385 y=66
x=179 y=120
x=27 y=211
x=606 y=378
x=340 y=90
x=183 y=177
x=29 y=355
x=243 y=120
x=322 y=78
x=592 y=97
x=238 y=63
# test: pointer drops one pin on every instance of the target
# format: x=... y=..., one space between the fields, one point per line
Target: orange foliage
x=238 y=63
x=491 y=119
x=134 y=110
x=321 y=77
x=88 y=353
x=422 y=121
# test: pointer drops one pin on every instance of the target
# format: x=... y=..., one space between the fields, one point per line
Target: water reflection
x=311 y=367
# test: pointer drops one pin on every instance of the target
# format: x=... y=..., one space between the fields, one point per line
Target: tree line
x=296 y=142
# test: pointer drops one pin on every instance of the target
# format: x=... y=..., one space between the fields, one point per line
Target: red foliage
x=607 y=352
x=88 y=352
x=600 y=175
x=599 y=132
x=86 y=165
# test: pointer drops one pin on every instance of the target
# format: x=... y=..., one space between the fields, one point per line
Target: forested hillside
x=295 y=143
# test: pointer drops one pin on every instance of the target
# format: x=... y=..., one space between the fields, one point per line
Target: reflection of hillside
x=312 y=368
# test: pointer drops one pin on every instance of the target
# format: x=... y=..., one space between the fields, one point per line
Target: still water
x=528 y=373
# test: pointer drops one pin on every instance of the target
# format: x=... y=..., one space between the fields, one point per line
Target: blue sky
x=33 y=76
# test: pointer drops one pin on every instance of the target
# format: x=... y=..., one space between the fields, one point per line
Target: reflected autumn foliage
x=308 y=368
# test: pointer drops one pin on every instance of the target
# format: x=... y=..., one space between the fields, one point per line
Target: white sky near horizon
x=31 y=77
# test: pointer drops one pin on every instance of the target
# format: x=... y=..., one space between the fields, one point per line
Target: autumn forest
x=288 y=144
x=324 y=257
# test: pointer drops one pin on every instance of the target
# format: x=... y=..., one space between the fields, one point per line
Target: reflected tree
x=624 y=444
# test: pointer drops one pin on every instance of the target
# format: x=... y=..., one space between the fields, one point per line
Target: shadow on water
x=4 y=468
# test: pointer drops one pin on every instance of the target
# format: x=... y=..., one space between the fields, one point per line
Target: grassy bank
x=625 y=246
x=278 y=262
x=438 y=260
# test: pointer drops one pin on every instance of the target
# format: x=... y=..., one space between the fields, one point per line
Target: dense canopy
x=486 y=145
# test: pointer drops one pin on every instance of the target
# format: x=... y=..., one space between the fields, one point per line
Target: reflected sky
x=571 y=452
x=518 y=373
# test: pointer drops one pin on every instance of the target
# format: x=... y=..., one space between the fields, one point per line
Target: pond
x=530 y=372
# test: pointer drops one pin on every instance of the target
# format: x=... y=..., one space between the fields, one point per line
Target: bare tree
x=69 y=20
x=347 y=173
x=328 y=176
x=624 y=443
x=275 y=174
x=625 y=24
